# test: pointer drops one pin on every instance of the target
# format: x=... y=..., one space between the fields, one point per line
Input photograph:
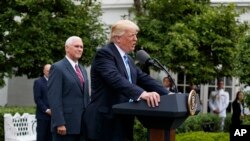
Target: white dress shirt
x=219 y=99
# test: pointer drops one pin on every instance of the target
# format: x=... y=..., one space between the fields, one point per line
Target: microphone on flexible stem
x=144 y=58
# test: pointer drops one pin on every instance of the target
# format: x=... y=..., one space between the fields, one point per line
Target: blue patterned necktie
x=125 y=57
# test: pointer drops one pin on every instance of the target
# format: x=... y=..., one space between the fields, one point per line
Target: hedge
x=203 y=136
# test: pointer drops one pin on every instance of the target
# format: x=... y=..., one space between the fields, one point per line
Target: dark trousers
x=75 y=137
x=118 y=129
x=70 y=137
x=123 y=129
x=43 y=130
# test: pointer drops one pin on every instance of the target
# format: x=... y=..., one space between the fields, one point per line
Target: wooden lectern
x=162 y=121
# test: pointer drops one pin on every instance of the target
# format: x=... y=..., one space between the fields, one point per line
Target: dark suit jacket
x=40 y=91
x=66 y=97
x=236 y=114
x=110 y=85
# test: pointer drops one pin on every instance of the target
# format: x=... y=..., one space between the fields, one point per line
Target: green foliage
x=192 y=123
x=140 y=133
x=246 y=120
x=203 y=136
x=33 y=33
x=198 y=122
x=228 y=122
x=247 y=98
x=244 y=59
x=12 y=110
x=204 y=122
x=193 y=37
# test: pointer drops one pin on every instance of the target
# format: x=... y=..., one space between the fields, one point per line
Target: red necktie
x=79 y=74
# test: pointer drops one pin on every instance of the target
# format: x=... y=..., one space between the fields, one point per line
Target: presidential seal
x=192 y=102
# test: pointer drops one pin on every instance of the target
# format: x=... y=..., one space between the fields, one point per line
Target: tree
x=243 y=57
x=33 y=33
x=191 y=37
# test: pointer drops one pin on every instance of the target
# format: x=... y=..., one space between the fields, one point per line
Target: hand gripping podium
x=162 y=121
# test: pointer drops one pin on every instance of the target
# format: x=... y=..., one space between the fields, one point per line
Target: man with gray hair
x=68 y=93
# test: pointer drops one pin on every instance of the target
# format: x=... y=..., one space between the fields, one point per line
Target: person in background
x=43 y=112
x=115 y=79
x=219 y=101
x=168 y=84
x=68 y=93
x=238 y=109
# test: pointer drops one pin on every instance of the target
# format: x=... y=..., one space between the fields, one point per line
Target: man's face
x=167 y=83
x=128 y=40
x=46 y=70
x=74 y=51
x=220 y=85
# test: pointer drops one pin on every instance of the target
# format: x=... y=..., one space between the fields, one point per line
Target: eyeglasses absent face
x=128 y=40
x=220 y=84
x=75 y=50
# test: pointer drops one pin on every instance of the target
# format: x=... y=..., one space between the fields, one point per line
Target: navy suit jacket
x=110 y=85
x=40 y=91
x=67 y=99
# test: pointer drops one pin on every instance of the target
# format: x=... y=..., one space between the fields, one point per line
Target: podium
x=162 y=121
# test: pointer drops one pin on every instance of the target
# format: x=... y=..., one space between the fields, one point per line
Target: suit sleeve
x=55 y=96
x=149 y=84
x=105 y=65
x=37 y=90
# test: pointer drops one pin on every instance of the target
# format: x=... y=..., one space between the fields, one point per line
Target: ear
x=117 y=39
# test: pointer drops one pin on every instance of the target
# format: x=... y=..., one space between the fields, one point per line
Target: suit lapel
x=72 y=72
x=120 y=63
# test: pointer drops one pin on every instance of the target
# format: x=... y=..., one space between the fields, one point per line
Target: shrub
x=247 y=98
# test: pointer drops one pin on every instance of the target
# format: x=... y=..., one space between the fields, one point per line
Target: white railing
x=19 y=128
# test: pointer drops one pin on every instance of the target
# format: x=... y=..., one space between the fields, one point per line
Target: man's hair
x=169 y=79
x=219 y=80
x=119 y=28
x=71 y=39
x=166 y=77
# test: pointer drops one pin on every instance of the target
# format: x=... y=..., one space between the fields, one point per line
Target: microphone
x=144 y=58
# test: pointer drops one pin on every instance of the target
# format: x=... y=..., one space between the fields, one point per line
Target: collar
x=46 y=77
x=71 y=62
x=122 y=53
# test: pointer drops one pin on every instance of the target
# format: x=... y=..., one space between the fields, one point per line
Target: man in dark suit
x=68 y=93
x=116 y=79
x=43 y=111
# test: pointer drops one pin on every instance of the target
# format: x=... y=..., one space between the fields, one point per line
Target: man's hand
x=48 y=111
x=152 y=98
x=61 y=130
x=216 y=111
